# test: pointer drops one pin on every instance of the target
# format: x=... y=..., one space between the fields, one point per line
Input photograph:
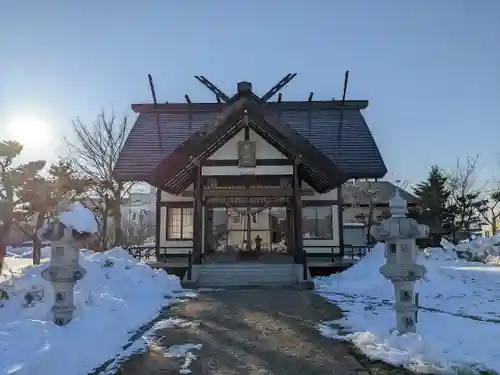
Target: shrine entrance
x=248 y=233
x=241 y=225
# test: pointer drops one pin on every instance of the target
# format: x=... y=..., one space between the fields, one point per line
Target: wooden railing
x=141 y=252
x=334 y=255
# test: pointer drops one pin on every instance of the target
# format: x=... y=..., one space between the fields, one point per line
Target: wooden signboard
x=248 y=188
x=249 y=192
x=247 y=154
x=246 y=201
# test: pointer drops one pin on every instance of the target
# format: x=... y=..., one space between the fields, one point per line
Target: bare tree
x=367 y=193
x=490 y=211
x=462 y=178
x=465 y=197
x=93 y=154
x=363 y=193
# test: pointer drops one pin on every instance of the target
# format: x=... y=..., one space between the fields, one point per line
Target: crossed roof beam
x=221 y=96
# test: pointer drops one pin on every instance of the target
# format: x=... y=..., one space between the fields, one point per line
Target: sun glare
x=29 y=131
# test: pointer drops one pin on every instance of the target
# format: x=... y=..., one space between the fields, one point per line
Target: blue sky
x=430 y=69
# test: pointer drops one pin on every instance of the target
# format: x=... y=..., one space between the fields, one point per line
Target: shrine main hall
x=248 y=178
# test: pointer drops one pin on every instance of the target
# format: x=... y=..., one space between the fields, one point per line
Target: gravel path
x=253 y=332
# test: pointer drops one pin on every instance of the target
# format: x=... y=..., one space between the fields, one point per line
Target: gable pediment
x=273 y=139
x=263 y=149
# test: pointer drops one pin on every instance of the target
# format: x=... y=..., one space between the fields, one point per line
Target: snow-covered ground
x=458 y=320
x=26 y=252
x=113 y=301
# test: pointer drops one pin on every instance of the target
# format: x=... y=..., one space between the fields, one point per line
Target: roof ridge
x=214 y=106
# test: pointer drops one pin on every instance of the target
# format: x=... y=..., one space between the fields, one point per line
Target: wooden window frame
x=182 y=209
x=316 y=207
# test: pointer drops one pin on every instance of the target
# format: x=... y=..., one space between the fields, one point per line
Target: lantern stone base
x=406 y=318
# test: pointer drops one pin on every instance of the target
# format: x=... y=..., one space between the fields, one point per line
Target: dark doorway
x=233 y=230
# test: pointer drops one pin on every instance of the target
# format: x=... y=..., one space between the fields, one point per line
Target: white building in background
x=138 y=215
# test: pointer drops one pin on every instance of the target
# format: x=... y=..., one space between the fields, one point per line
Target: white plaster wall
x=167 y=197
x=264 y=150
x=331 y=195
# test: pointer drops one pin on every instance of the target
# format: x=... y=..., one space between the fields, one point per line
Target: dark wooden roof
x=316 y=122
x=176 y=171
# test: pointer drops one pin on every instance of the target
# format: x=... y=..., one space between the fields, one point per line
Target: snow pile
x=26 y=252
x=480 y=249
x=79 y=218
x=115 y=298
x=458 y=320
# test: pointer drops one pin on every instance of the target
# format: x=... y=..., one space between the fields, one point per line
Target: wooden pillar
x=340 y=212
x=198 y=214
x=297 y=214
x=208 y=238
x=290 y=237
x=158 y=224
x=248 y=218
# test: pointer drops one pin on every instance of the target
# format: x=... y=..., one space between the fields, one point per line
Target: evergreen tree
x=40 y=196
x=466 y=212
x=13 y=179
x=432 y=205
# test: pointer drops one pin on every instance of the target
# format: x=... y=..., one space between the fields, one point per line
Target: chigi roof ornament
x=244 y=88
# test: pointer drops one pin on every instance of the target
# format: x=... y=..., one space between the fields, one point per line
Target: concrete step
x=247 y=275
x=244 y=280
x=246 y=272
x=253 y=275
x=248 y=267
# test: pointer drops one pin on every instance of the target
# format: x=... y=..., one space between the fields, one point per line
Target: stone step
x=254 y=270
x=244 y=281
x=245 y=272
x=248 y=266
x=255 y=278
x=252 y=279
x=246 y=275
x=241 y=275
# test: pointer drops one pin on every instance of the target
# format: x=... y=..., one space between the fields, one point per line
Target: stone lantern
x=399 y=233
x=64 y=269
